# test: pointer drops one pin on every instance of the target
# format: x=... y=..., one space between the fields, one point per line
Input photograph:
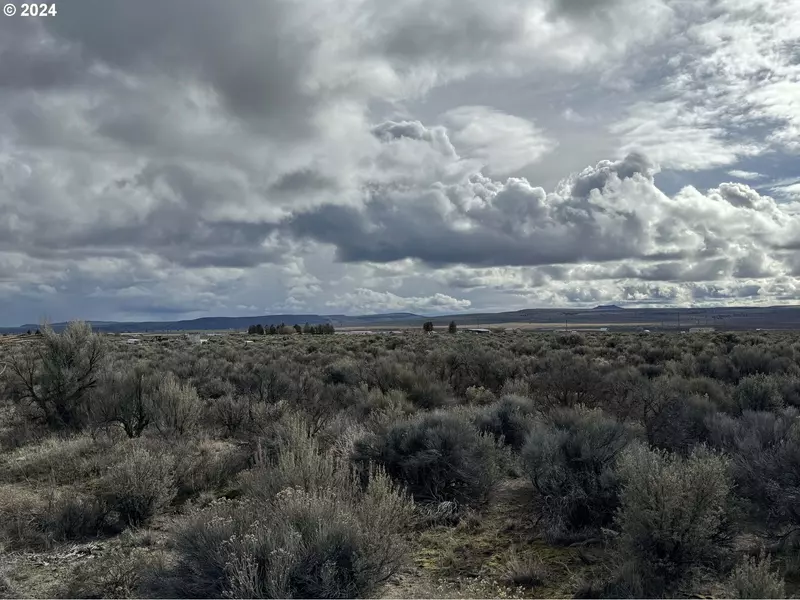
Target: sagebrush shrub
x=790 y=389
x=674 y=517
x=757 y=393
x=765 y=454
x=342 y=372
x=516 y=387
x=479 y=396
x=438 y=456
x=679 y=423
x=127 y=397
x=110 y=575
x=507 y=420
x=755 y=578
x=177 y=406
x=376 y=408
x=566 y=380
x=428 y=394
x=719 y=393
x=297 y=461
x=570 y=457
x=73 y=517
x=335 y=542
x=233 y=413
x=202 y=465
x=140 y=486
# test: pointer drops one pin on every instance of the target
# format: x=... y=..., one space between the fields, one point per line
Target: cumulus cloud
x=610 y=212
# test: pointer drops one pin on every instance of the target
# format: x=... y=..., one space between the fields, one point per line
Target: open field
x=530 y=465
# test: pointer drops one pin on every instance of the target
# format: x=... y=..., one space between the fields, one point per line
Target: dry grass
x=58 y=460
x=497 y=553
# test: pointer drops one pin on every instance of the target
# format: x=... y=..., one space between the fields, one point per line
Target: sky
x=172 y=159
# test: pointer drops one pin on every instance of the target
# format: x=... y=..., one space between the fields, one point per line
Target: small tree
x=56 y=375
x=272 y=330
x=452 y=328
x=259 y=329
x=307 y=328
x=297 y=328
x=427 y=327
x=127 y=397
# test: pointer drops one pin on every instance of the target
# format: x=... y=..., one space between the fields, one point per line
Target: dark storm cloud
x=31 y=59
x=303 y=180
x=179 y=226
x=580 y=8
x=254 y=55
x=450 y=31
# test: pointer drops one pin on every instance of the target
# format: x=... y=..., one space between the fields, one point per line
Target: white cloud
x=680 y=137
x=503 y=143
x=749 y=175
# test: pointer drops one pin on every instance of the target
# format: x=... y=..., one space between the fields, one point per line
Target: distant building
x=604 y=329
x=133 y=341
x=701 y=329
x=477 y=330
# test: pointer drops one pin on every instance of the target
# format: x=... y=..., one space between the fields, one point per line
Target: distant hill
x=611 y=316
x=226 y=323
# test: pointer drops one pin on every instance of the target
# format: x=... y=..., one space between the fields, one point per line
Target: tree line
x=283 y=329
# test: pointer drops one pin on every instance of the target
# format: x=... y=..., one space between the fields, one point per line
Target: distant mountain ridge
x=731 y=318
x=225 y=323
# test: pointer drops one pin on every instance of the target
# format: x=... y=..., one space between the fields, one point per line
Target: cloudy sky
x=164 y=159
